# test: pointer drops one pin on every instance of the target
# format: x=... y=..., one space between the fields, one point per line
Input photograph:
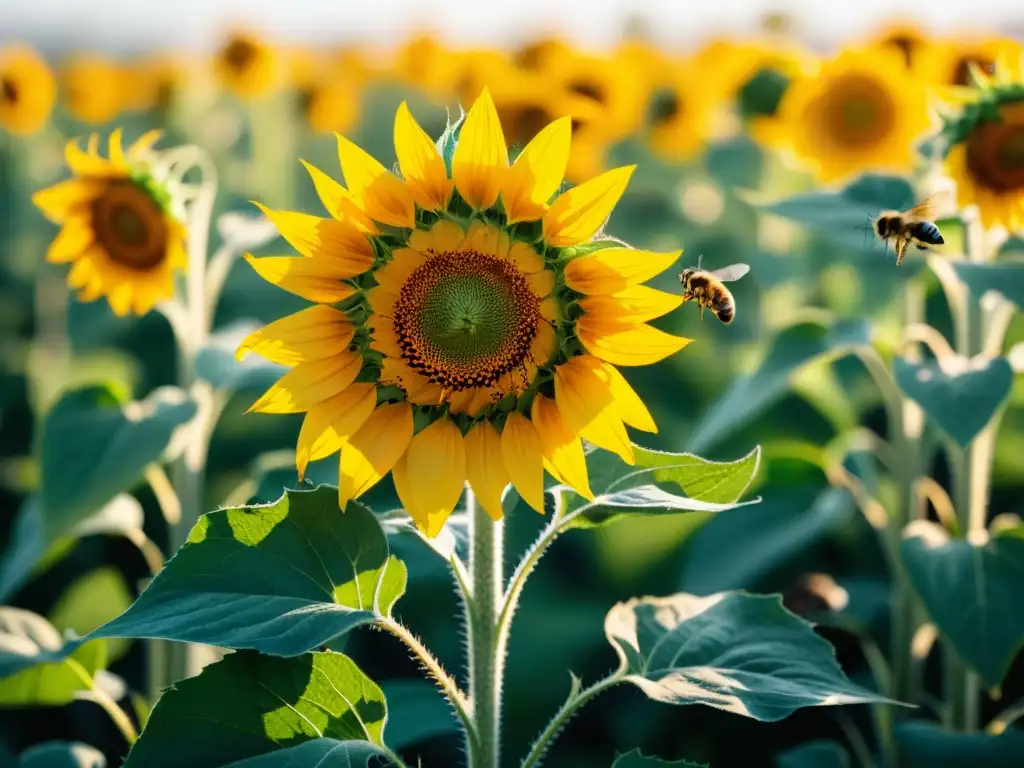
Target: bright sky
x=109 y=24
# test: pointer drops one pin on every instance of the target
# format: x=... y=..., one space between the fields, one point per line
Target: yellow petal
x=88 y=163
x=383 y=196
x=636 y=304
x=339 y=202
x=537 y=172
x=115 y=150
x=521 y=452
x=422 y=166
x=486 y=239
x=120 y=299
x=560 y=446
x=393 y=275
x=612 y=270
x=144 y=143
x=431 y=475
x=544 y=345
x=578 y=214
x=631 y=407
x=527 y=260
x=584 y=397
x=329 y=425
x=315 y=237
x=480 y=161
x=373 y=450
x=60 y=200
x=382 y=300
x=550 y=310
x=74 y=237
x=485 y=467
x=313 y=279
x=446 y=235
x=309 y=384
x=315 y=333
x=542 y=283
x=625 y=344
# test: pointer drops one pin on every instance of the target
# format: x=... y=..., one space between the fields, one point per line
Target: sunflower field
x=443 y=406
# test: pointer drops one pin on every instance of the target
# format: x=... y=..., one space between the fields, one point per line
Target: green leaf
x=736 y=162
x=93 y=448
x=248 y=705
x=216 y=361
x=1006 y=278
x=972 y=592
x=959 y=403
x=34 y=669
x=321 y=753
x=62 y=754
x=737 y=548
x=925 y=745
x=91 y=601
x=709 y=486
x=794 y=348
x=636 y=759
x=819 y=753
x=416 y=712
x=733 y=651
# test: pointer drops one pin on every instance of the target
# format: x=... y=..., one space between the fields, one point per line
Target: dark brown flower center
x=465 y=319
x=9 y=91
x=906 y=45
x=130 y=226
x=665 y=107
x=962 y=70
x=240 y=54
x=857 y=112
x=590 y=90
x=995 y=156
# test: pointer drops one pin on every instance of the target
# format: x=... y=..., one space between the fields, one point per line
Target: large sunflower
x=96 y=88
x=27 y=90
x=118 y=231
x=458 y=333
x=985 y=146
x=862 y=111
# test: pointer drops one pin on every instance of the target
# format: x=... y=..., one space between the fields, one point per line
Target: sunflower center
x=906 y=45
x=464 y=319
x=962 y=71
x=588 y=89
x=858 y=112
x=995 y=156
x=664 y=107
x=8 y=90
x=130 y=226
x=239 y=54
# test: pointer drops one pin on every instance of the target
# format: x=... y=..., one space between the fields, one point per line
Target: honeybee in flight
x=913 y=226
x=709 y=291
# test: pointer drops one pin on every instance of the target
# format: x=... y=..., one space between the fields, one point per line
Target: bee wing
x=732 y=272
x=928 y=207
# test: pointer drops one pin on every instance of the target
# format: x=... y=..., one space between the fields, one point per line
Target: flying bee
x=709 y=291
x=913 y=226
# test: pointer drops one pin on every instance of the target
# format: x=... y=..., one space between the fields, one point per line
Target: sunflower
x=95 y=88
x=333 y=105
x=948 y=64
x=154 y=83
x=247 y=66
x=27 y=90
x=905 y=38
x=464 y=329
x=681 y=115
x=985 y=147
x=862 y=111
x=118 y=230
x=616 y=86
x=424 y=63
x=541 y=53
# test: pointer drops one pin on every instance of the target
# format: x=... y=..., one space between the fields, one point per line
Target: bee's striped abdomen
x=724 y=308
x=927 y=232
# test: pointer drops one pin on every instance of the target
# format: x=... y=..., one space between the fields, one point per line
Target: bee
x=903 y=228
x=709 y=291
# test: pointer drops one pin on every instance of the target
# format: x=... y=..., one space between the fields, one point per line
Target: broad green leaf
x=636 y=759
x=736 y=162
x=91 y=601
x=708 y=486
x=818 y=753
x=926 y=745
x=959 y=403
x=795 y=347
x=972 y=591
x=34 y=667
x=320 y=753
x=1004 y=277
x=416 y=712
x=216 y=361
x=733 y=651
x=62 y=754
x=93 y=447
x=247 y=704
x=736 y=548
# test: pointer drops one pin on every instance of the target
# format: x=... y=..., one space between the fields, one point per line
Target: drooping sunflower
x=95 y=88
x=118 y=232
x=459 y=332
x=248 y=66
x=27 y=90
x=861 y=111
x=984 y=140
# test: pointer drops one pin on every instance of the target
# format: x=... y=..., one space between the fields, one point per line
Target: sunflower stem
x=486 y=659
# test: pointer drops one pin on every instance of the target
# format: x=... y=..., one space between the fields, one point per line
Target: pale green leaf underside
x=320 y=753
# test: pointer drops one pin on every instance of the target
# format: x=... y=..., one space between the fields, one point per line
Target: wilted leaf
x=216 y=361
x=1006 y=278
x=636 y=759
x=971 y=592
x=961 y=403
x=733 y=651
x=926 y=745
x=734 y=549
x=792 y=349
x=34 y=668
x=62 y=754
x=247 y=705
x=416 y=712
x=819 y=753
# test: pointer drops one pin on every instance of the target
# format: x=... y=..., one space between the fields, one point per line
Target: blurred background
x=688 y=91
